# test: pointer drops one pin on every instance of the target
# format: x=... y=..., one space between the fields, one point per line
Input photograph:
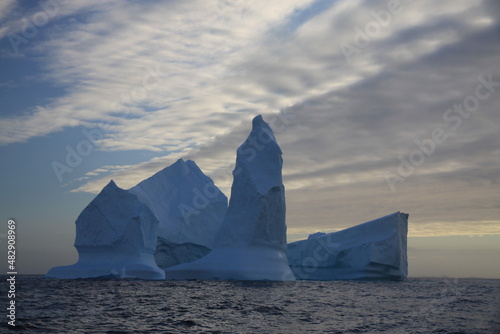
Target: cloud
x=361 y=86
x=345 y=137
x=467 y=228
x=27 y=22
x=126 y=176
x=5 y=8
x=157 y=67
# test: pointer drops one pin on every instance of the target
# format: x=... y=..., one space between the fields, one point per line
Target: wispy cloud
x=184 y=79
x=160 y=67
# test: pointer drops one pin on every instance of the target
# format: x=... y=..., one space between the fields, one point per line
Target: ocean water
x=435 y=305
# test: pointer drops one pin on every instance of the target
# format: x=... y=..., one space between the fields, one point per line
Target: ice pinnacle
x=251 y=243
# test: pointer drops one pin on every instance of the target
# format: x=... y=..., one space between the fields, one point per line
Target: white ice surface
x=373 y=250
x=260 y=155
x=189 y=207
x=251 y=243
x=236 y=263
x=115 y=236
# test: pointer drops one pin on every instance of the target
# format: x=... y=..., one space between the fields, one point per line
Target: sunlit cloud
x=438 y=229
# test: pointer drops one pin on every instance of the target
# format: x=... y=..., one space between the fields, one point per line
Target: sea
x=417 y=305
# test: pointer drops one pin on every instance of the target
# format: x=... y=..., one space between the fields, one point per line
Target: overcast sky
x=378 y=106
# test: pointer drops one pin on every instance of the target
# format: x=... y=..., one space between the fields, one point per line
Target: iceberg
x=251 y=242
x=190 y=210
x=115 y=237
x=177 y=225
x=376 y=250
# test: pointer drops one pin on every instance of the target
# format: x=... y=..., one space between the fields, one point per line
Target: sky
x=378 y=106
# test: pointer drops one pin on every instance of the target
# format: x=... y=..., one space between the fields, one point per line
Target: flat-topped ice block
x=376 y=250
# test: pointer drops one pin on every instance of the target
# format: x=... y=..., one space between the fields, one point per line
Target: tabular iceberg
x=115 y=236
x=251 y=243
x=376 y=250
x=190 y=210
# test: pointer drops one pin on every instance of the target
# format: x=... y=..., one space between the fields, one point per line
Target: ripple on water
x=111 y=306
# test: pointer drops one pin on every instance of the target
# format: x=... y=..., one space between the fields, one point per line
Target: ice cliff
x=189 y=207
x=376 y=250
x=115 y=236
x=251 y=243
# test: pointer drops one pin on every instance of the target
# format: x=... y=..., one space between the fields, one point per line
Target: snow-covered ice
x=189 y=207
x=251 y=243
x=115 y=236
x=373 y=250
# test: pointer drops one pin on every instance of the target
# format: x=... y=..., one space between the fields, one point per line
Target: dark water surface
x=436 y=305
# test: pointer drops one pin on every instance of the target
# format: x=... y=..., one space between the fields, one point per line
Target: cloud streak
x=185 y=80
